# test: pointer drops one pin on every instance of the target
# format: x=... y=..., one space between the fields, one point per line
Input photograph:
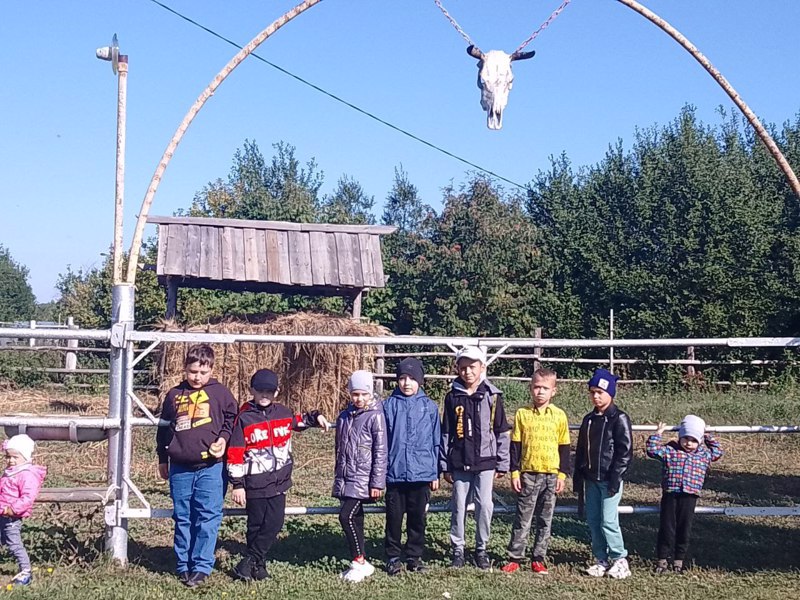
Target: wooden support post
x=357 y=305
x=172 y=298
x=537 y=364
x=71 y=358
x=32 y=341
x=380 y=368
x=690 y=373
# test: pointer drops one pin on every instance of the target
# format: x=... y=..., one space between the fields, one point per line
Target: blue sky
x=600 y=72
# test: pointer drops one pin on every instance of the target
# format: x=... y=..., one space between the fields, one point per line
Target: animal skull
x=494 y=80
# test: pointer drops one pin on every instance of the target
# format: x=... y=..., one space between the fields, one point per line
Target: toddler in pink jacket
x=19 y=486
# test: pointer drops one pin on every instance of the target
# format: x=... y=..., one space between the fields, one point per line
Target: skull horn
x=521 y=55
x=475 y=52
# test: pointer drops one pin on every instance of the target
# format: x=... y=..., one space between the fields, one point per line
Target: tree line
x=689 y=232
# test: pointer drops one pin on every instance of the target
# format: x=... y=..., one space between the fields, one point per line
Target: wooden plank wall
x=301 y=258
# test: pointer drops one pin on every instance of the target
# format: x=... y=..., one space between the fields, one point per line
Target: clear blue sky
x=600 y=72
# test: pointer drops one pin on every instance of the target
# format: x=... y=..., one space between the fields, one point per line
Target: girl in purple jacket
x=361 y=460
x=19 y=486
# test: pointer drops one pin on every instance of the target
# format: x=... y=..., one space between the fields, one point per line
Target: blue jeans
x=197 y=496
x=603 y=520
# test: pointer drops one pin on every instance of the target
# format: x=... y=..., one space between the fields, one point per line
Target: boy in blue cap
x=602 y=457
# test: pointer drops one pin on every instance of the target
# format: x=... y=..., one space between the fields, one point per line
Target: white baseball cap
x=472 y=353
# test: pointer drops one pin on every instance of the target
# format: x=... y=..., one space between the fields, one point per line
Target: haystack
x=313 y=376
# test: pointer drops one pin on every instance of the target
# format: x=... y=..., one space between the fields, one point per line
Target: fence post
x=611 y=337
x=32 y=341
x=690 y=368
x=537 y=364
x=71 y=358
x=380 y=368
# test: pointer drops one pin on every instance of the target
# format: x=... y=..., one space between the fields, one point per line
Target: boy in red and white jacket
x=260 y=467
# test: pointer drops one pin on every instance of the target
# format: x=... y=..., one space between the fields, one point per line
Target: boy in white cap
x=684 y=466
x=475 y=449
x=19 y=486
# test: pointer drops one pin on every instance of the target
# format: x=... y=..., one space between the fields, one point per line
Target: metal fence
x=118 y=425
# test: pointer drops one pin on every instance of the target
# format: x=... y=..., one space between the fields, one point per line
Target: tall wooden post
x=357 y=305
x=172 y=298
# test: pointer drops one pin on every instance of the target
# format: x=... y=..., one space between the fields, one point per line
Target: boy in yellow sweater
x=539 y=467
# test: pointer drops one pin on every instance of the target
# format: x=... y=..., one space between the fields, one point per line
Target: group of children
x=399 y=447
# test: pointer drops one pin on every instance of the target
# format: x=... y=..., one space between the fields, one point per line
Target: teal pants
x=603 y=520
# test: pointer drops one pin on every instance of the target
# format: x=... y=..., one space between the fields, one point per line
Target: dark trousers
x=677 y=513
x=409 y=500
x=351 y=517
x=265 y=518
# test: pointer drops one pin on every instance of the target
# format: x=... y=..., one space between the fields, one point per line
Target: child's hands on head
x=661 y=428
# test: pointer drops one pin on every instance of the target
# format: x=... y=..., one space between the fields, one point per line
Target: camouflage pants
x=537 y=499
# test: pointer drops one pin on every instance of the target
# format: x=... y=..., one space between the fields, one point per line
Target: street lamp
x=119 y=65
x=120 y=378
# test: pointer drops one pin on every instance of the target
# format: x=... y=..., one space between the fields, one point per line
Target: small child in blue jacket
x=413 y=435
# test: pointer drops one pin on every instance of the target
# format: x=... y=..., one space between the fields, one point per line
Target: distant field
x=733 y=557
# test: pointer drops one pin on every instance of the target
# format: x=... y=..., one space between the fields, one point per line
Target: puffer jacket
x=360 y=451
x=19 y=487
x=605 y=448
x=413 y=432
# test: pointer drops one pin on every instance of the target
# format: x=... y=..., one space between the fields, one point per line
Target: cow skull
x=494 y=80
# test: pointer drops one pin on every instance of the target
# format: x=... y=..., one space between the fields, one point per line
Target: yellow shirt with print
x=541 y=432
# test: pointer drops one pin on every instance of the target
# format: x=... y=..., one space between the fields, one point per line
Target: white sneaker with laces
x=598 y=569
x=620 y=569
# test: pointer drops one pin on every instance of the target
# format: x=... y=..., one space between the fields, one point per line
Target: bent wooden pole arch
x=136 y=243
x=762 y=133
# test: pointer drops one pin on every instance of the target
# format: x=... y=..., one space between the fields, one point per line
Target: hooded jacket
x=605 y=448
x=360 y=451
x=476 y=435
x=19 y=487
x=197 y=418
x=413 y=433
x=260 y=449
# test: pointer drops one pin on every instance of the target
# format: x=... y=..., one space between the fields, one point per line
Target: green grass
x=749 y=558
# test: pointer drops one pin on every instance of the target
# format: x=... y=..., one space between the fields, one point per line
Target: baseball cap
x=264 y=380
x=472 y=353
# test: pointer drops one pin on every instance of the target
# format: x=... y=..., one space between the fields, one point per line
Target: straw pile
x=312 y=376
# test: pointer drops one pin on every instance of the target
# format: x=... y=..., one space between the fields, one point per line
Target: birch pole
x=136 y=243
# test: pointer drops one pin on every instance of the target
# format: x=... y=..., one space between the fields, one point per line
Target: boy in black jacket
x=260 y=467
x=602 y=457
x=199 y=414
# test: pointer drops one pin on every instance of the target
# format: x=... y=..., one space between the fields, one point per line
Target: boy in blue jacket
x=413 y=435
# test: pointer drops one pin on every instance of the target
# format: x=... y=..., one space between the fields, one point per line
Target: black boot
x=244 y=570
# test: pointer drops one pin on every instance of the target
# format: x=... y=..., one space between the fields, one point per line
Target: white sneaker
x=598 y=569
x=620 y=569
x=357 y=572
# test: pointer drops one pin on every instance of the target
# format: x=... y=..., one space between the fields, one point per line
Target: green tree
x=349 y=203
x=282 y=190
x=17 y=302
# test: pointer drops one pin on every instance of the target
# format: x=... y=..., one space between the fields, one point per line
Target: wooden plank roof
x=311 y=255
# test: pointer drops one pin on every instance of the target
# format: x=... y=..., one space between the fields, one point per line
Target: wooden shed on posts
x=277 y=257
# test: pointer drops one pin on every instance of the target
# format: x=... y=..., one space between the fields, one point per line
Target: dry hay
x=312 y=376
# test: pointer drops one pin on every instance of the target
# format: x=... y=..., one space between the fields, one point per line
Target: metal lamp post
x=122 y=311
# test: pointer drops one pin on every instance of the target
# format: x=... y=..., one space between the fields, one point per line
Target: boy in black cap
x=260 y=467
x=413 y=435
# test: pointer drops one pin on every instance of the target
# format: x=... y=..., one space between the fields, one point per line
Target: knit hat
x=472 y=353
x=264 y=380
x=360 y=381
x=413 y=368
x=20 y=443
x=605 y=380
x=693 y=427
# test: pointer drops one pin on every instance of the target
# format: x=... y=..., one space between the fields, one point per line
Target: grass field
x=733 y=557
